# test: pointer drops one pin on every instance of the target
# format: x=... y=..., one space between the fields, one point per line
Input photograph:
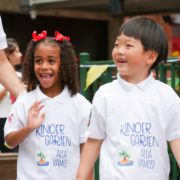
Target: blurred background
x=91 y=24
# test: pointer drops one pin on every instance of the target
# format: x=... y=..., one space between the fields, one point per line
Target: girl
x=6 y=98
x=134 y=116
x=49 y=122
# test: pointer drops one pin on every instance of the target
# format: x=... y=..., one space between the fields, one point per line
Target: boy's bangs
x=131 y=30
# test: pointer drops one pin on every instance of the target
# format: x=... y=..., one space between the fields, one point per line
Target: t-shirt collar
x=64 y=95
x=142 y=85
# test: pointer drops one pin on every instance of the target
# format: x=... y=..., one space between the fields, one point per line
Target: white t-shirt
x=3 y=43
x=53 y=150
x=5 y=102
x=135 y=122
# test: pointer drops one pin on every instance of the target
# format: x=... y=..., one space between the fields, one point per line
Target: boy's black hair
x=68 y=69
x=151 y=35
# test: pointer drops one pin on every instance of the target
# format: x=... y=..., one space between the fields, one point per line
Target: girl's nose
x=44 y=65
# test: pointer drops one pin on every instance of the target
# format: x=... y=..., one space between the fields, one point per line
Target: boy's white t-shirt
x=3 y=43
x=53 y=150
x=134 y=122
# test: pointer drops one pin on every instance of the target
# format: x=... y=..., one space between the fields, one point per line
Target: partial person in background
x=14 y=56
x=6 y=98
x=7 y=74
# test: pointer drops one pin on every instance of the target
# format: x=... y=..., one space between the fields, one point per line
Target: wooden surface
x=8 y=166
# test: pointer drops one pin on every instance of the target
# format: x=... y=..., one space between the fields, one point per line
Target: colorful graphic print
x=42 y=160
x=124 y=159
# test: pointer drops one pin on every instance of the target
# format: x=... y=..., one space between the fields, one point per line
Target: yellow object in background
x=94 y=73
x=175 y=53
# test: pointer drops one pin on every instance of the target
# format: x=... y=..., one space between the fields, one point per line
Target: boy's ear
x=152 y=57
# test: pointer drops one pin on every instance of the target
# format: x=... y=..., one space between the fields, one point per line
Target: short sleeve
x=85 y=112
x=3 y=43
x=16 y=118
x=173 y=126
x=97 y=120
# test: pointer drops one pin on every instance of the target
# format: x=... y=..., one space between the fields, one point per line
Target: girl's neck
x=52 y=92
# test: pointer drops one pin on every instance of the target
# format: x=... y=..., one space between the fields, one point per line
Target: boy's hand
x=35 y=119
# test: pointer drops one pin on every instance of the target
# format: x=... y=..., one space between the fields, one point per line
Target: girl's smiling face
x=132 y=62
x=47 y=64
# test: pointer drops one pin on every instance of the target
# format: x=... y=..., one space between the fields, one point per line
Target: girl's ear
x=152 y=57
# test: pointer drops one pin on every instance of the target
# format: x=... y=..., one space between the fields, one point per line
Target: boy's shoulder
x=165 y=92
x=163 y=86
x=109 y=87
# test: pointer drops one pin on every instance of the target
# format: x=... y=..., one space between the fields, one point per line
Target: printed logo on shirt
x=124 y=159
x=141 y=137
x=139 y=134
x=55 y=135
x=42 y=160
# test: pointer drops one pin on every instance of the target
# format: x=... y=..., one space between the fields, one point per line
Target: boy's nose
x=120 y=50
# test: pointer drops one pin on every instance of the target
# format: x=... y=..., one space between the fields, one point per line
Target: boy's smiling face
x=132 y=61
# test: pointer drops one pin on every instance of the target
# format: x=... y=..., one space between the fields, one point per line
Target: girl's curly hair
x=68 y=69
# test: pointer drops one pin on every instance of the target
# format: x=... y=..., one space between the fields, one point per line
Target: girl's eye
x=38 y=61
x=52 y=61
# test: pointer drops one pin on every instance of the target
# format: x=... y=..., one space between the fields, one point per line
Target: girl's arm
x=34 y=121
x=16 y=137
x=89 y=156
x=175 y=147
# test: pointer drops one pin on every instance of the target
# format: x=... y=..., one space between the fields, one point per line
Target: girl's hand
x=34 y=117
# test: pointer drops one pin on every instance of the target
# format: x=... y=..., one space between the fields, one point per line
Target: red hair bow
x=60 y=37
x=37 y=37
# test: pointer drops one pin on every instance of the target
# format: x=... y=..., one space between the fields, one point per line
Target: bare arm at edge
x=90 y=176
x=175 y=147
x=8 y=76
x=88 y=158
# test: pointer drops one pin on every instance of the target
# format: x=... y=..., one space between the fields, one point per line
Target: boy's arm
x=90 y=176
x=88 y=158
x=175 y=147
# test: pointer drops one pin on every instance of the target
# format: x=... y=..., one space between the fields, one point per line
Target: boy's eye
x=129 y=45
x=116 y=45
